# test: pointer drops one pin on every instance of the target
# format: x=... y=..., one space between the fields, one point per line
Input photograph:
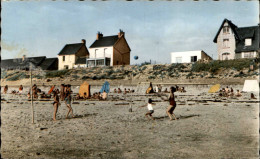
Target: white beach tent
x=251 y=86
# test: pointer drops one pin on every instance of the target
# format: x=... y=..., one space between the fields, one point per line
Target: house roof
x=105 y=41
x=81 y=61
x=232 y=26
x=48 y=62
x=248 y=32
x=18 y=63
x=70 y=49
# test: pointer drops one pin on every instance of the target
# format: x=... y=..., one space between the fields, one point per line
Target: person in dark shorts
x=56 y=104
x=172 y=105
x=68 y=100
x=150 y=108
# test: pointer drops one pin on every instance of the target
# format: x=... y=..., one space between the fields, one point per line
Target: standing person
x=159 y=88
x=62 y=92
x=56 y=104
x=68 y=101
x=5 y=89
x=156 y=88
x=150 y=108
x=172 y=104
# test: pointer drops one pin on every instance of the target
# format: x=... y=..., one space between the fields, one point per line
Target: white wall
x=69 y=60
x=100 y=53
x=186 y=56
x=231 y=44
x=252 y=53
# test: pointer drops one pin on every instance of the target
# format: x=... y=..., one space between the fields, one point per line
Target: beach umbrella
x=105 y=87
x=84 y=88
x=214 y=88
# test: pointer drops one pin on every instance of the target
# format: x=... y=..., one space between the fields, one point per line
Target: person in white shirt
x=156 y=89
x=150 y=108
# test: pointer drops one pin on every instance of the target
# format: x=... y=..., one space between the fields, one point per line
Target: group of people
x=96 y=95
x=158 y=89
x=226 y=92
x=20 y=90
x=170 y=109
x=118 y=90
x=65 y=95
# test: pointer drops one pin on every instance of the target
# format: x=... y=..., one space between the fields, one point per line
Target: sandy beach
x=207 y=127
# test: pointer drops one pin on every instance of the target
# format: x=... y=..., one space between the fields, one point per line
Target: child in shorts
x=150 y=108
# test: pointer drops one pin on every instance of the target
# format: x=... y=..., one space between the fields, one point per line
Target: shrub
x=151 y=77
x=85 y=77
x=189 y=75
x=3 y=74
x=75 y=76
x=143 y=68
x=16 y=77
x=35 y=76
x=83 y=71
x=59 y=73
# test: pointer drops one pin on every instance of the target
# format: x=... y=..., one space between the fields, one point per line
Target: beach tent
x=251 y=86
x=105 y=87
x=214 y=88
x=84 y=88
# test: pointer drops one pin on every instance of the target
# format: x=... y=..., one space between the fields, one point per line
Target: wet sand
x=207 y=127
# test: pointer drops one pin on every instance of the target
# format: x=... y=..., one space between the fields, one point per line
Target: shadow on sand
x=180 y=117
x=85 y=115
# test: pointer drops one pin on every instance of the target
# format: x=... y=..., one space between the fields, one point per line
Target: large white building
x=189 y=56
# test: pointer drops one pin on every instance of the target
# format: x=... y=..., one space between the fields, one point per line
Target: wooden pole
x=32 y=96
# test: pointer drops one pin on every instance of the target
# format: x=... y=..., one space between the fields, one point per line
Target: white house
x=189 y=56
x=73 y=55
x=237 y=42
x=109 y=51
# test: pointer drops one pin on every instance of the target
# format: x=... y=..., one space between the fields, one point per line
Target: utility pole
x=32 y=95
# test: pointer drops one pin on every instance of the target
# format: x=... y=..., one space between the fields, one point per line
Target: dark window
x=63 y=58
x=193 y=58
x=225 y=29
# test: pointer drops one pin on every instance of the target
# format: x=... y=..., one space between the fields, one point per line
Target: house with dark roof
x=109 y=51
x=73 y=55
x=234 y=42
x=24 y=63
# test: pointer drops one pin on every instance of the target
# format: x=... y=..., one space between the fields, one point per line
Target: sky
x=152 y=29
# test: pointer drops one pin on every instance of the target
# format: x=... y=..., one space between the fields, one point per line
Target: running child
x=150 y=108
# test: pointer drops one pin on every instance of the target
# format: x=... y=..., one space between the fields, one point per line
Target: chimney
x=23 y=58
x=121 y=33
x=83 y=41
x=99 y=35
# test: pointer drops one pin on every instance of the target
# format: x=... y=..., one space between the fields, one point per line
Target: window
x=248 y=54
x=178 y=59
x=193 y=59
x=226 y=29
x=66 y=67
x=225 y=42
x=63 y=58
x=100 y=62
x=248 y=42
x=225 y=56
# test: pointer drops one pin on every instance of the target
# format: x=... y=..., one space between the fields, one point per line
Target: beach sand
x=224 y=128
